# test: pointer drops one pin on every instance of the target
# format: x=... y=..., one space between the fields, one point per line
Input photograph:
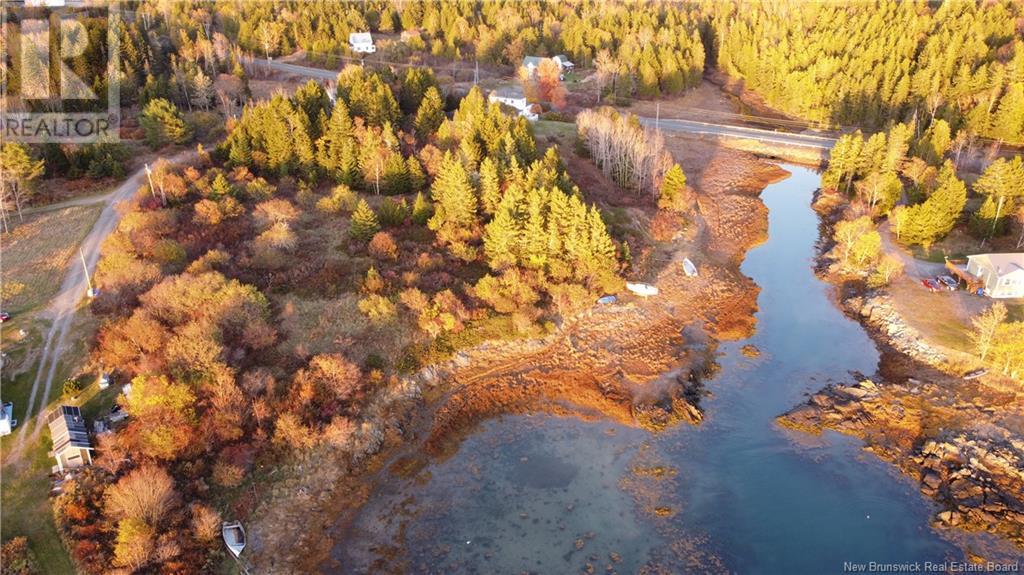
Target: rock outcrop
x=963 y=458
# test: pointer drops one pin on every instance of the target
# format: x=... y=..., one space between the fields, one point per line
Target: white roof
x=508 y=92
x=360 y=38
x=1004 y=264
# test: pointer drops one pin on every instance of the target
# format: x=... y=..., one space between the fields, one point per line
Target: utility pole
x=657 y=116
x=476 y=72
x=85 y=268
x=149 y=176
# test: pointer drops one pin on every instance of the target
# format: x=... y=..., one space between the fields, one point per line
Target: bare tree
x=146 y=494
x=607 y=69
x=631 y=155
x=986 y=326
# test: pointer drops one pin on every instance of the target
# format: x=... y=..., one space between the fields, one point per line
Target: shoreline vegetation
x=359 y=270
x=958 y=439
x=638 y=362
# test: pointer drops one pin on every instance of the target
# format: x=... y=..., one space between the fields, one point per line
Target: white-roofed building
x=361 y=42
x=1002 y=274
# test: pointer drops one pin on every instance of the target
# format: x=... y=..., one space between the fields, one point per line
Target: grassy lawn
x=566 y=131
x=25 y=483
x=942 y=318
x=25 y=489
x=36 y=254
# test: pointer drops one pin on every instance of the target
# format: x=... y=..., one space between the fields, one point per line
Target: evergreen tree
x=414 y=87
x=936 y=216
x=1002 y=182
x=363 y=223
x=417 y=179
x=935 y=142
x=455 y=202
x=162 y=123
x=500 y=237
x=430 y=113
x=1009 y=119
x=844 y=161
x=673 y=195
x=490 y=186
x=421 y=209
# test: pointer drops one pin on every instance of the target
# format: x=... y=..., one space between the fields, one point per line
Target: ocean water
x=541 y=494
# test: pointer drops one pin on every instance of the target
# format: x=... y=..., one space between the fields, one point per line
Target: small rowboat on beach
x=689 y=268
x=234 y=537
x=643 y=290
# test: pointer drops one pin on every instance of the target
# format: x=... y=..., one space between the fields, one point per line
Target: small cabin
x=71 y=447
x=361 y=42
x=1002 y=275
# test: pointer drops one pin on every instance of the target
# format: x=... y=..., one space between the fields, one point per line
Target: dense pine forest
x=871 y=63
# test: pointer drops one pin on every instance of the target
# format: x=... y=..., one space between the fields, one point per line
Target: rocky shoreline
x=962 y=441
x=638 y=362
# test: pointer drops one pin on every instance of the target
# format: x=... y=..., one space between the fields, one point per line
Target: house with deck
x=1002 y=275
x=71 y=446
x=361 y=43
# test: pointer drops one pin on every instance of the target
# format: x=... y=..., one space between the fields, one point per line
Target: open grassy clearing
x=315 y=326
x=36 y=254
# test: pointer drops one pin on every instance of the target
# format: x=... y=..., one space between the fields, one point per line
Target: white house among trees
x=361 y=42
x=1002 y=274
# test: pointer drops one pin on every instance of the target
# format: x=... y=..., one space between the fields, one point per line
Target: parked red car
x=4 y=316
x=931 y=285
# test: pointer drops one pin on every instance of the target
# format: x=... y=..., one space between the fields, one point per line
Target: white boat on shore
x=234 y=537
x=689 y=268
x=641 y=289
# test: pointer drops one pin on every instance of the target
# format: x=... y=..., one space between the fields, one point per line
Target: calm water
x=549 y=495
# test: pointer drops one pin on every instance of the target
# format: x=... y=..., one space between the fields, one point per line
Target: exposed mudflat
x=636 y=362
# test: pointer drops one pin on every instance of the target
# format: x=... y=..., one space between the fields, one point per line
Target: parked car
x=4 y=316
x=932 y=285
x=948 y=281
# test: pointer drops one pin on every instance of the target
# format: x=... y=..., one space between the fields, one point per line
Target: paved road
x=62 y=309
x=672 y=125
x=741 y=132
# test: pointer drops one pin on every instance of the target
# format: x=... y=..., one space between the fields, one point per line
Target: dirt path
x=61 y=311
x=912 y=266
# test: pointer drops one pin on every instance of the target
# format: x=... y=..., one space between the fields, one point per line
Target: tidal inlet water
x=542 y=494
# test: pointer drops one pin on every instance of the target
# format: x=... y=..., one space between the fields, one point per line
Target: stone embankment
x=878 y=313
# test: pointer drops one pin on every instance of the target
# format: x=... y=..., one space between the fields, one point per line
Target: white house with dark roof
x=71 y=447
x=1002 y=274
x=514 y=98
x=361 y=42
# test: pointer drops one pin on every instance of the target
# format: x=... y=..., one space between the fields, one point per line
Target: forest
x=869 y=64
x=426 y=219
x=192 y=274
